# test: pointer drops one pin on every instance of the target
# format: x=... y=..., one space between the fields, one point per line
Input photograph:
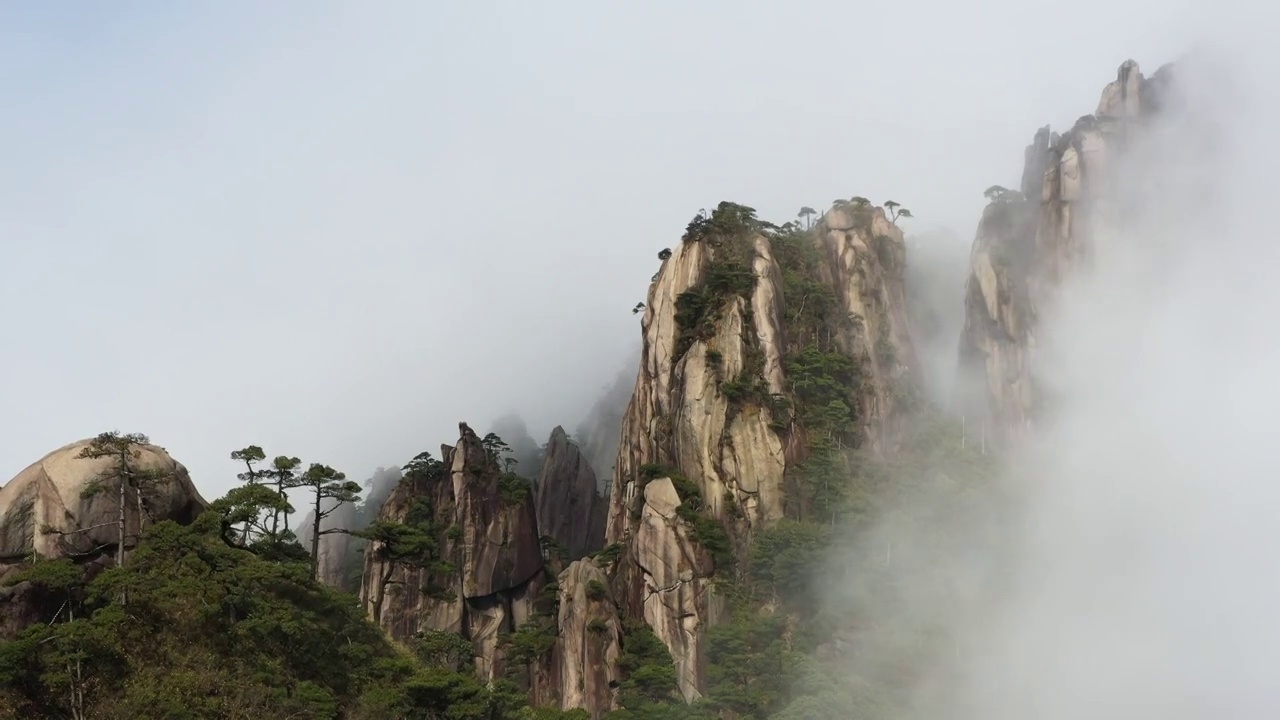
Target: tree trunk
x=315 y=540
x=244 y=534
x=275 y=514
x=384 y=581
x=120 y=521
x=77 y=682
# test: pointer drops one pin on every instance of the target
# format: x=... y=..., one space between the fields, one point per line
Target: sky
x=336 y=229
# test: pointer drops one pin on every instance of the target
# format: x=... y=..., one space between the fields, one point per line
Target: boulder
x=43 y=512
x=48 y=495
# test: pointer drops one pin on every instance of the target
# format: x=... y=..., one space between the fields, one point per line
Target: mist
x=1118 y=564
x=336 y=230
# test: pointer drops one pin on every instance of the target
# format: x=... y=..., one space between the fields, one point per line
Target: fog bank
x=1120 y=566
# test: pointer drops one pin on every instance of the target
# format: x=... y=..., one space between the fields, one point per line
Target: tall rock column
x=1031 y=239
x=570 y=509
x=489 y=572
x=753 y=336
x=588 y=644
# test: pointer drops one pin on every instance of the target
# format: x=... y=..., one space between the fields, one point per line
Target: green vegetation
x=806 y=215
x=726 y=274
x=596 y=590
x=122 y=478
x=779 y=612
x=553 y=550
x=649 y=691
x=705 y=530
x=998 y=194
x=535 y=638
x=531 y=641
x=782 y=559
x=609 y=554
x=324 y=483
x=515 y=489
x=210 y=631
x=758 y=659
x=213 y=630
x=895 y=211
x=825 y=384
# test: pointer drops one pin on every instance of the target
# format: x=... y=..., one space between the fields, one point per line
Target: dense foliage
x=214 y=631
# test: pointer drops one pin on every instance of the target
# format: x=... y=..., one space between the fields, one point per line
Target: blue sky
x=337 y=229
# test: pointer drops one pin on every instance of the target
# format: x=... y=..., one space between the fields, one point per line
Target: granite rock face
x=589 y=642
x=491 y=566
x=689 y=426
x=570 y=509
x=1030 y=240
x=42 y=513
x=48 y=493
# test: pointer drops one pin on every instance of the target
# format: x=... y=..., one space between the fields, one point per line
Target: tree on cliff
x=260 y=508
x=249 y=507
x=411 y=543
x=997 y=193
x=324 y=483
x=123 y=475
x=806 y=213
x=396 y=545
x=284 y=475
x=250 y=456
x=896 y=211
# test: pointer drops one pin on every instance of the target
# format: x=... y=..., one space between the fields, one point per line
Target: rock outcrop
x=865 y=264
x=1029 y=240
x=43 y=512
x=588 y=643
x=666 y=578
x=752 y=338
x=570 y=509
x=48 y=495
x=488 y=574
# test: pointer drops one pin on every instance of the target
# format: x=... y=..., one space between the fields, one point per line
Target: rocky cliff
x=484 y=578
x=43 y=512
x=588 y=642
x=482 y=574
x=764 y=348
x=1030 y=239
x=570 y=510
